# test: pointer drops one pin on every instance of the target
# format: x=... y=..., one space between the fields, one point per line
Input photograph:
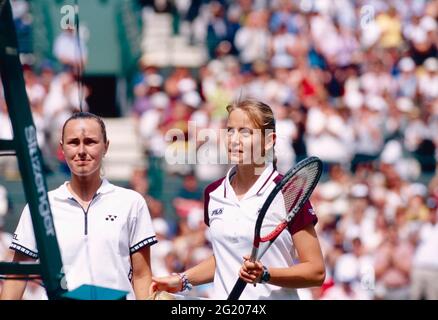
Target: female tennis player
x=104 y=232
x=231 y=207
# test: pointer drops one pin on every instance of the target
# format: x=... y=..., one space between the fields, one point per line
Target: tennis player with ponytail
x=232 y=204
x=104 y=232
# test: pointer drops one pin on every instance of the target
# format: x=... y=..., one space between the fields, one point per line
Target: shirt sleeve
x=303 y=218
x=141 y=231
x=23 y=240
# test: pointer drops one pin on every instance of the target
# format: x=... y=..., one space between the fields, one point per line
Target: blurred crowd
x=352 y=82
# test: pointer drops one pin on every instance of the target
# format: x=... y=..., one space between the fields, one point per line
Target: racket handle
x=237 y=290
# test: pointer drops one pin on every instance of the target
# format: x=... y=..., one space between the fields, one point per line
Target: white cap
x=191 y=99
x=420 y=36
x=330 y=190
x=160 y=100
x=405 y=104
x=418 y=189
x=154 y=80
x=282 y=61
x=186 y=85
x=353 y=99
x=195 y=218
x=376 y=103
x=340 y=206
x=160 y=226
x=406 y=64
x=359 y=190
x=215 y=66
x=346 y=268
x=391 y=152
x=428 y=23
x=431 y=64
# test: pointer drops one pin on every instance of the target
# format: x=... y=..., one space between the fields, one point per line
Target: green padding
x=7 y=145
x=28 y=154
x=88 y=292
x=113 y=29
x=20 y=268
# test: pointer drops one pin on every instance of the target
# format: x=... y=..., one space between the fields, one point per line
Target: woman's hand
x=251 y=272
x=172 y=284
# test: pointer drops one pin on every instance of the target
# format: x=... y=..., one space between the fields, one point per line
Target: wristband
x=186 y=285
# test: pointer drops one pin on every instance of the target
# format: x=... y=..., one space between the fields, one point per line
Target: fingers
x=152 y=287
x=170 y=284
x=253 y=266
x=247 y=277
x=250 y=271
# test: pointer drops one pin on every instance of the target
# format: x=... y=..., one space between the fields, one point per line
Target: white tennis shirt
x=232 y=225
x=96 y=246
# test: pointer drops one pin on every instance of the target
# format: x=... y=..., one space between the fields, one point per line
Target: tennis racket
x=296 y=186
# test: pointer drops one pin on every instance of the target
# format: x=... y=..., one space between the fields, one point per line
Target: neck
x=85 y=187
x=246 y=176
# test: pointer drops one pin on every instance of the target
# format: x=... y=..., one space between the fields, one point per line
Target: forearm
x=141 y=285
x=203 y=272
x=13 y=290
x=302 y=275
x=310 y=272
x=141 y=273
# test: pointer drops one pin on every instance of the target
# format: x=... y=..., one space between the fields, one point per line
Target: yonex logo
x=217 y=212
x=110 y=218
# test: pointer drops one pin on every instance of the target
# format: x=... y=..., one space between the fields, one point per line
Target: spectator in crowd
x=139 y=182
x=70 y=53
x=425 y=262
x=393 y=263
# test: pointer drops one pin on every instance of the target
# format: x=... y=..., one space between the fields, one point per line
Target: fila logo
x=110 y=217
x=217 y=212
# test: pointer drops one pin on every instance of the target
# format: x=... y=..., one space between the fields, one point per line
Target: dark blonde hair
x=259 y=113
x=86 y=115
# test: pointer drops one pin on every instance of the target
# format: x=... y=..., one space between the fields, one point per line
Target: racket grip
x=237 y=290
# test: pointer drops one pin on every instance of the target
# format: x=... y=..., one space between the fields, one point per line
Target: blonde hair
x=259 y=113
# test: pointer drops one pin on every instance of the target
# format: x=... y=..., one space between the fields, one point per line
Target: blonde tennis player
x=231 y=207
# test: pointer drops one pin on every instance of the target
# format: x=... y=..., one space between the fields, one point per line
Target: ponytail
x=274 y=158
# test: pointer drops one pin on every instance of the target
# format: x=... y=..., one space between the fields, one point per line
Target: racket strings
x=298 y=188
x=294 y=193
